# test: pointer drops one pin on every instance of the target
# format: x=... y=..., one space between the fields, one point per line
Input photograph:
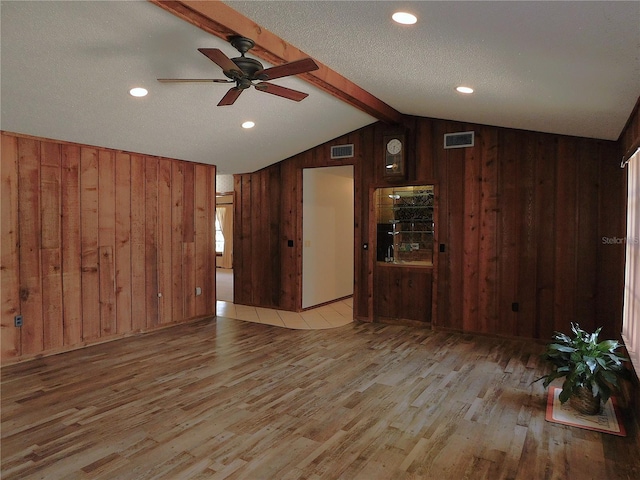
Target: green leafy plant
x=584 y=362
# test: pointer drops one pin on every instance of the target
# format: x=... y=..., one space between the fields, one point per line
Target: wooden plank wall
x=98 y=244
x=521 y=216
x=262 y=248
x=267 y=241
x=630 y=137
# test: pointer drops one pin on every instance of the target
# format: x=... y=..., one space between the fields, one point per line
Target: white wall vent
x=342 y=151
x=458 y=140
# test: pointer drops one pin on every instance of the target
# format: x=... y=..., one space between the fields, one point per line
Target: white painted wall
x=327 y=232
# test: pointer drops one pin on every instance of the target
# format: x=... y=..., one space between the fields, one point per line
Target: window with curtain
x=219 y=237
x=224 y=235
x=631 y=312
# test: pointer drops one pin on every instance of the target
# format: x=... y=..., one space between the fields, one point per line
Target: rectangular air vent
x=458 y=140
x=342 y=151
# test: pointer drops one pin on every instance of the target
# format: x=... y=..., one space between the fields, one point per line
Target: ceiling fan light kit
x=244 y=71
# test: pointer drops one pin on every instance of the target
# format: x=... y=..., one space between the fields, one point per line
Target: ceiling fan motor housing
x=249 y=67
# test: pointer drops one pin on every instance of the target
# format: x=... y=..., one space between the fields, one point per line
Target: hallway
x=336 y=314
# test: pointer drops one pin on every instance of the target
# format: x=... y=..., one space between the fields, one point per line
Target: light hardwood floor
x=336 y=314
x=223 y=398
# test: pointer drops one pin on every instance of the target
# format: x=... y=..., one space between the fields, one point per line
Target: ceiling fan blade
x=292 y=68
x=230 y=97
x=193 y=80
x=285 y=92
x=218 y=57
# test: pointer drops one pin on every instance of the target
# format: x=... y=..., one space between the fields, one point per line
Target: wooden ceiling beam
x=222 y=21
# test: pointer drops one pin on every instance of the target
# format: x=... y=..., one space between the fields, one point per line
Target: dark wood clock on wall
x=394 y=155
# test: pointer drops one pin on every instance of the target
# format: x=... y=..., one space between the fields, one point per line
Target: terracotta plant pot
x=584 y=402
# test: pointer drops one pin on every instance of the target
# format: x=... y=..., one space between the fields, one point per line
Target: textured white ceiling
x=563 y=67
x=66 y=67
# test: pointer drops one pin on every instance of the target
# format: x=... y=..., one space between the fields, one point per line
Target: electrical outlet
x=18 y=320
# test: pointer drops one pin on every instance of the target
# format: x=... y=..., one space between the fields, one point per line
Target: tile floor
x=332 y=315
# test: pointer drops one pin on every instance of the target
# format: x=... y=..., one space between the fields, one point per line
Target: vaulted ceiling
x=66 y=68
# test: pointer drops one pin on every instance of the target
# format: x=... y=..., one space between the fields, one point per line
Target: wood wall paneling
x=507 y=231
x=89 y=240
x=189 y=279
x=122 y=251
x=10 y=336
x=587 y=236
x=242 y=251
x=527 y=251
x=260 y=244
x=360 y=230
x=204 y=274
x=518 y=215
x=386 y=294
x=453 y=223
x=521 y=215
x=188 y=216
x=471 y=236
x=165 y=250
x=545 y=210
x=435 y=131
x=30 y=245
x=488 y=231
x=188 y=248
x=416 y=288
x=629 y=139
x=106 y=240
x=71 y=245
x=364 y=178
x=88 y=236
x=151 y=241
x=177 y=208
x=51 y=254
x=138 y=244
x=278 y=243
x=291 y=228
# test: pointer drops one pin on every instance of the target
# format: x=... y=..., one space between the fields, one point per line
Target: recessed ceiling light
x=248 y=124
x=138 y=92
x=464 y=89
x=404 y=18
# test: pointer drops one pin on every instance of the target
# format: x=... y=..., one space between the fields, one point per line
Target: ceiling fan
x=244 y=71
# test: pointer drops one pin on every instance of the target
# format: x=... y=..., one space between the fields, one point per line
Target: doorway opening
x=224 y=247
x=328 y=234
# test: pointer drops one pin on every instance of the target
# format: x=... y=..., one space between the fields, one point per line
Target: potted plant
x=591 y=368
